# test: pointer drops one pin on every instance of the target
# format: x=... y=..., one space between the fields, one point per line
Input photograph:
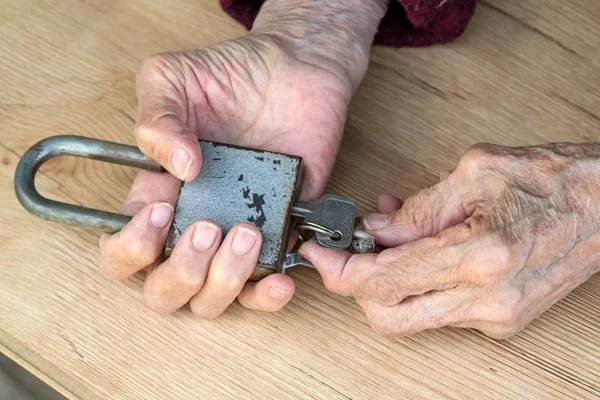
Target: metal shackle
x=70 y=145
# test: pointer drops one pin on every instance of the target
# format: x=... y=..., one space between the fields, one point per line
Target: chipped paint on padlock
x=238 y=184
x=257 y=174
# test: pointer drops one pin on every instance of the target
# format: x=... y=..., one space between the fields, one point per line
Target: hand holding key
x=500 y=240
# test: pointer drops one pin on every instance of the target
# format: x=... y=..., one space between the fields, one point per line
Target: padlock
x=235 y=184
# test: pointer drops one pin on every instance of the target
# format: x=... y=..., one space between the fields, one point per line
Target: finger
x=431 y=310
x=148 y=187
x=426 y=213
x=269 y=294
x=390 y=276
x=161 y=129
x=292 y=241
x=140 y=242
x=171 y=285
x=231 y=267
x=332 y=266
x=388 y=203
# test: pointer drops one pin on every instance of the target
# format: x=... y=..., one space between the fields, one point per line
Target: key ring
x=335 y=235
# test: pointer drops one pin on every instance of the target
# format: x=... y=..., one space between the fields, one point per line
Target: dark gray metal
x=335 y=235
x=331 y=217
x=295 y=260
x=77 y=146
x=236 y=185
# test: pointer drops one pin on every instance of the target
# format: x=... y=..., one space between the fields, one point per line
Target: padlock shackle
x=70 y=145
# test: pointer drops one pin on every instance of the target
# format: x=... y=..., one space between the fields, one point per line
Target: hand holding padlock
x=235 y=185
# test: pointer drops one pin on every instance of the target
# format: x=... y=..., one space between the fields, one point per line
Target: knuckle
x=420 y=210
x=414 y=206
x=388 y=322
x=112 y=272
x=494 y=262
x=376 y=283
x=154 y=65
x=204 y=311
x=227 y=281
x=146 y=134
x=334 y=285
x=340 y=282
x=476 y=157
x=104 y=260
x=384 y=289
x=505 y=315
x=384 y=330
x=144 y=131
x=501 y=332
x=392 y=328
x=155 y=302
x=382 y=326
x=187 y=277
x=508 y=332
x=504 y=311
x=148 y=129
x=139 y=253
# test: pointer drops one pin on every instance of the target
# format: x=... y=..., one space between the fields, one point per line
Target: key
x=294 y=260
x=331 y=217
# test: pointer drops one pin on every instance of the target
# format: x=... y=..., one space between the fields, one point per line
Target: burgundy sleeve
x=406 y=23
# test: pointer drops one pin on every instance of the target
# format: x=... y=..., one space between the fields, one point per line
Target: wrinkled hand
x=501 y=239
x=247 y=92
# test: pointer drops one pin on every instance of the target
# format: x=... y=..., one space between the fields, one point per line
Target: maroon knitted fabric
x=406 y=23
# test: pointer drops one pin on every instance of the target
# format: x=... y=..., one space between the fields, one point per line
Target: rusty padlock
x=235 y=184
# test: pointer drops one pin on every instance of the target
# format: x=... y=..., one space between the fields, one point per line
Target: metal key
x=331 y=217
x=294 y=260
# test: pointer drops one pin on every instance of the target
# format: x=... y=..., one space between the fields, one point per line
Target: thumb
x=161 y=130
x=424 y=214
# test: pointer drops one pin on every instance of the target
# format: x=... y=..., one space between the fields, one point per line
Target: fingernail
x=277 y=293
x=243 y=241
x=204 y=236
x=161 y=214
x=376 y=221
x=181 y=162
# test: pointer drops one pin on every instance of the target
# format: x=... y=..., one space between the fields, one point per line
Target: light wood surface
x=525 y=72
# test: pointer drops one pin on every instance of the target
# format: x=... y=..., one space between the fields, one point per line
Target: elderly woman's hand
x=500 y=240
x=284 y=87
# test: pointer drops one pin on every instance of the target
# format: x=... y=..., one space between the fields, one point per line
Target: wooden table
x=525 y=72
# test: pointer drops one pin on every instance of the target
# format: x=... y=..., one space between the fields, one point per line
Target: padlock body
x=238 y=184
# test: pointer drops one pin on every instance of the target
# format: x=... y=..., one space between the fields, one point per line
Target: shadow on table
x=18 y=384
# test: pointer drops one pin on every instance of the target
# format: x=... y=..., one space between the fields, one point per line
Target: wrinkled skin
x=496 y=243
x=248 y=92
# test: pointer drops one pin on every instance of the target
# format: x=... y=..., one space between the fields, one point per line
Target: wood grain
x=525 y=72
